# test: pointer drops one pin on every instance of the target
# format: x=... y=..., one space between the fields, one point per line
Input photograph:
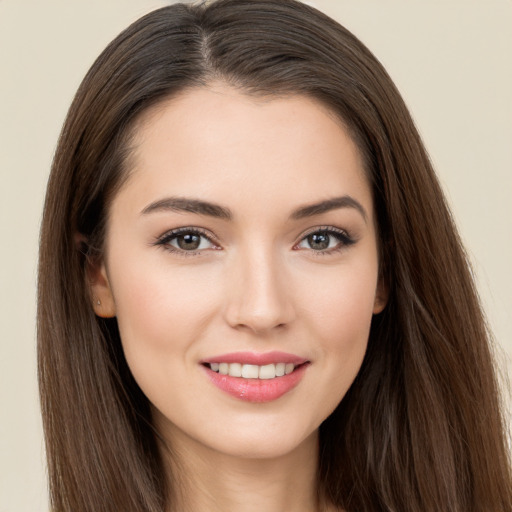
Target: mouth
x=253 y=371
x=256 y=377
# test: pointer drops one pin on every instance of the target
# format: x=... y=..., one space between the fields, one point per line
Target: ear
x=98 y=282
x=101 y=293
x=381 y=296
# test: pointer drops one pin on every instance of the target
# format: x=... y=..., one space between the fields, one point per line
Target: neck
x=205 y=480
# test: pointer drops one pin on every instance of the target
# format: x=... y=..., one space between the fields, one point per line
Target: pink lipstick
x=255 y=377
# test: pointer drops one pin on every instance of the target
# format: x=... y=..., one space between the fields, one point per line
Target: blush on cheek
x=160 y=313
x=344 y=318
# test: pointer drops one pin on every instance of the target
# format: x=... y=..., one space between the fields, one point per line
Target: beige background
x=452 y=60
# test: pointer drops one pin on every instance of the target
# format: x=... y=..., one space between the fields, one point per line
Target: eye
x=326 y=240
x=186 y=240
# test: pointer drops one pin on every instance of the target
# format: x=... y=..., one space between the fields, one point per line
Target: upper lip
x=256 y=358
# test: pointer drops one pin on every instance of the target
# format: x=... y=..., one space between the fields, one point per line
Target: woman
x=251 y=292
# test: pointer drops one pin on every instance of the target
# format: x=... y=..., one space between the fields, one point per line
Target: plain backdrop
x=451 y=59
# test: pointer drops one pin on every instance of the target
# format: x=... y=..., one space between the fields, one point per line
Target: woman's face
x=243 y=243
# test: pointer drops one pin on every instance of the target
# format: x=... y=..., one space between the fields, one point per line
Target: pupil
x=319 y=241
x=189 y=242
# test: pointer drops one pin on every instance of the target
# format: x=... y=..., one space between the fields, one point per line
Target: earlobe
x=101 y=293
x=381 y=296
x=98 y=283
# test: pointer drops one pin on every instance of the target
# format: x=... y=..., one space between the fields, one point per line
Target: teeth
x=235 y=370
x=249 y=371
x=252 y=371
x=267 y=372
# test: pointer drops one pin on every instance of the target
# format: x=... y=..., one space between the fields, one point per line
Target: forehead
x=218 y=143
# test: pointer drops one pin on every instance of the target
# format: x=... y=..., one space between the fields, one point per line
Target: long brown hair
x=420 y=429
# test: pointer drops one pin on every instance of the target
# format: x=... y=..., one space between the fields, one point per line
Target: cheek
x=341 y=301
x=338 y=312
x=160 y=312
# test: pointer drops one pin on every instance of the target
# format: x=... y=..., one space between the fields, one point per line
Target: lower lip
x=257 y=390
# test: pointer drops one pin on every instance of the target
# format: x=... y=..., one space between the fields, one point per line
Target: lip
x=256 y=358
x=256 y=390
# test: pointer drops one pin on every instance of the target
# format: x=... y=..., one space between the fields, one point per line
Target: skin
x=255 y=284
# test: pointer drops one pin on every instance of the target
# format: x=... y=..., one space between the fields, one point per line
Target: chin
x=263 y=436
x=272 y=445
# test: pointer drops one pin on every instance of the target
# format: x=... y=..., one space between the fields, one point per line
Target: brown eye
x=326 y=240
x=319 y=241
x=188 y=241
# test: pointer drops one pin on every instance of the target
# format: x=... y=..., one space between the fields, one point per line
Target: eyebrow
x=181 y=204
x=197 y=206
x=328 y=205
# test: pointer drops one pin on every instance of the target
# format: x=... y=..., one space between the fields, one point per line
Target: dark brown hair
x=420 y=429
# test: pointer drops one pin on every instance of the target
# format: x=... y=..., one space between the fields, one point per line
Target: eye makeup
x=187 y=241
x=325 y=240
x=192 y=241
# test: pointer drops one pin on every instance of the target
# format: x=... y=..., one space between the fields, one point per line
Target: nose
x=260 y=298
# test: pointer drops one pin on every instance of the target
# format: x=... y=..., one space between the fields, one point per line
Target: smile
x=253 y=377
x=252 y=371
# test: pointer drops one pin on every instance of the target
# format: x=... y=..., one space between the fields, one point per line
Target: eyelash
x=344 y=239
x=164 y=241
